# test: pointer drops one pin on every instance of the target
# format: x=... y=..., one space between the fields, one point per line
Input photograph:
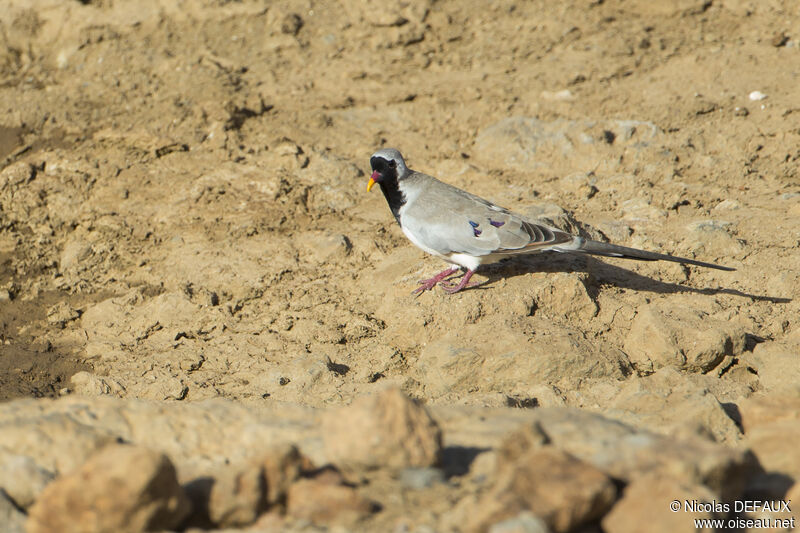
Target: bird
x=468 y=231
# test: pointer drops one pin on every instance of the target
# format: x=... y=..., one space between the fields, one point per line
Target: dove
x=468 y=231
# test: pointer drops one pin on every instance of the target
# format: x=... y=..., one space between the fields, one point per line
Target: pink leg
x=452 y=288
x=428 y=284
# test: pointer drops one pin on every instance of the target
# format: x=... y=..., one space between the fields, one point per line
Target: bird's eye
x=392 y=163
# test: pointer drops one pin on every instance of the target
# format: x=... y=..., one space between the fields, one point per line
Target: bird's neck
x=394 y=196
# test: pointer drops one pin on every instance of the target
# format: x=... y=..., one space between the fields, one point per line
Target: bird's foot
x=428 y=284
x=452 y=288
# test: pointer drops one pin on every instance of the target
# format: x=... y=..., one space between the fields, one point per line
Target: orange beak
x=372 y=181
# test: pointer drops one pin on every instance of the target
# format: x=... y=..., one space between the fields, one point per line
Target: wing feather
x=450 y=220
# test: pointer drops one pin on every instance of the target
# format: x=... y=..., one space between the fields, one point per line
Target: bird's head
x=387 y=165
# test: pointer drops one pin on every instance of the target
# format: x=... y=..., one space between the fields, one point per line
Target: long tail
x=612 y=250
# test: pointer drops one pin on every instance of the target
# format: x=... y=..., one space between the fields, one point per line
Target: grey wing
x=454 y=221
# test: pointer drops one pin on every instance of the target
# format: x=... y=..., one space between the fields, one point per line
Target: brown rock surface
x=564 y=491
x=771 y=428
x=22 y=479
x=236 y=496
x=685 y=339
x=326 y=499
x=645 y=505
x=121 y=488
x=11 y=517
x=383 y=430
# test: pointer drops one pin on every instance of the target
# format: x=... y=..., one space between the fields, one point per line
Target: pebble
x=421 y=478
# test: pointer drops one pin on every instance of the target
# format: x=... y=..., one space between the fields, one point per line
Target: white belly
x=467 y=261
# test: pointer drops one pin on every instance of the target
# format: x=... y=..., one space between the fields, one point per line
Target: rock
x=131 y=319
x=324 y=247
x=524 y=522
x=236 y=496
x=647 y=499
x=525 y=143
x=641 y=210
x=60 y=314
x=88 y=384
x=421 y=478
x=710 y=238
x=778 y=366
x=622 y=451
x=16 y=174
x=325 y=499
x=383 y=430
x=73 y=253
x=727 y=204
x=503 y=359
x=282 y=466
x=671 y=402
x=563 y=491
x=159 y=384
x=56 y=442
x=11 y=518
x=564 y=294
x=580 y=184
x=378 y=14
x=121 y=488
x=22 y=479
x=59 y=435
x=771 y=426
x=291 y=24
x=683 y=338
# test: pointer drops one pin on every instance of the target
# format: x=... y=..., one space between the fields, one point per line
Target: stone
x=325 y=499
x=622 y=451
x=88 y=384
x=291 y=24
x=377 y=14
x=647 y=500
x=672 y=402
x=60 y=314
x=525 y=143
x=666 y=335
x=580 y=185
x=563 y=491
x=11 y=518
x=771 y=428
x=121 y=488
x=524 y=522
x=324 y=247
x=564 y=295
x=236 y=496
x=16 y=174
x=383 y=430
x=56 y=442
x=22 y=479
x=778 y=366
x=281 y=467
x=641 y=210
x=711 y=238
x=60 y=434
x=503 y=359
x=73 y=253
x=421 y=478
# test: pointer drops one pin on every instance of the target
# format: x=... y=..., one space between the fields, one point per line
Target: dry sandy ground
x=183 y=212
